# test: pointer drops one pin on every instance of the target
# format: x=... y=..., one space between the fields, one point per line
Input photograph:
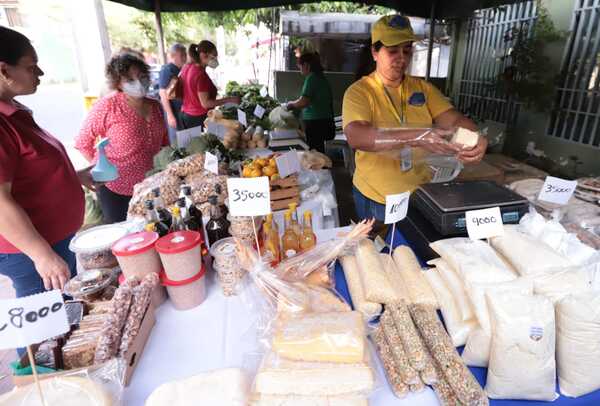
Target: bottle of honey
x=293 y=208
x=289 y=241
x=308 y=239
x=270 y=244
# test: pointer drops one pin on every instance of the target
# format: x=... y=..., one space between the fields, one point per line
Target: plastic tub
x=186 y=294
x=90 y=285
x=226 y=265
x=93 y=246
x=180 y=254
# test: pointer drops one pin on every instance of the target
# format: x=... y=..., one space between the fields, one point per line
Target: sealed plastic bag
x=577 y=344
x=558 y=285
x=522 y=363
x=416 y=285
x=477 y=349
x=352 y=274
x=456 y=286
x=375 y=281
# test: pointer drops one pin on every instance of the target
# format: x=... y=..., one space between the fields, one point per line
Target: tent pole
x=431 y=34
x=159 y=33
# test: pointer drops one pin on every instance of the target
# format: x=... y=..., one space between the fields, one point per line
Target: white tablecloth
x=217 y=334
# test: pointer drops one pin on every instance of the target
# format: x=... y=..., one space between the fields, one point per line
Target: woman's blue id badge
x=406 y=156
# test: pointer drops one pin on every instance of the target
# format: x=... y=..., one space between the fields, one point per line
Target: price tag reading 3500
x=249 y=196
x=557 y=190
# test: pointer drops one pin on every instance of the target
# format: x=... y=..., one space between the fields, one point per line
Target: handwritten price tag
x=249 y=196
x=484 y=223
x=396 y=207
x=259 y=111
x=288 y=164
x=32 y=319
x=557 y=190
x=211 y=163
x=242 y=117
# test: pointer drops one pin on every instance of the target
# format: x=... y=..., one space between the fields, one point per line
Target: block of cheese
x=228 y=386
x=292 y=400
x=357 y=292
x=464 y=137
x=375 y=282
x=64 y=391
x=321 y=337
x=279 y=376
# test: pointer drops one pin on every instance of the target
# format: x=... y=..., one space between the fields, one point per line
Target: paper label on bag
x=259 y=111
x=242 y=117
x=185 y=136
x=484 y=223
x=249 y=196
x=406 y=156
x=288 y=164
x=396 y=207
x=211 y=163
x=32 y=319
x=557 y=190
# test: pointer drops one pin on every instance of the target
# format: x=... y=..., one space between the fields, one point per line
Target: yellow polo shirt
x=420 y=102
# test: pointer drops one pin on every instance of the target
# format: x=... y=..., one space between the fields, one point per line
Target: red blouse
x=195 y=79
x=133 y=140
x=43 y=181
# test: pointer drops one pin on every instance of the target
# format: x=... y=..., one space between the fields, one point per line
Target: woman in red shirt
x=41 y=199
x=199 y=92
x=135 y=129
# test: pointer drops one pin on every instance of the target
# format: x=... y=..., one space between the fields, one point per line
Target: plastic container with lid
x=226 y=265
x=89 y=285
x=93 y=246
x=181 y=255
x=137 y=257
x=189 y=293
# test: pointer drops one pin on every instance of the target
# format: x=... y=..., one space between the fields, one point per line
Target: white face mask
x=135 y=88
x=213 y=63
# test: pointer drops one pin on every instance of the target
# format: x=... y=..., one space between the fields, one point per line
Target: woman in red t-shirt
x=199 y=92
x=41 y=199
x=134 y=126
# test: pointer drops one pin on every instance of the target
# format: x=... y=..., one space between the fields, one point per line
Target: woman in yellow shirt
x=390 y=110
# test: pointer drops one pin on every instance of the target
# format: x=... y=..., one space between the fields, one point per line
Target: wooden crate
x=284 y=192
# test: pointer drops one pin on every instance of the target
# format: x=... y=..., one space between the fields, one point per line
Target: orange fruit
x=246 y=172
x=256 y=173
x=269 y=171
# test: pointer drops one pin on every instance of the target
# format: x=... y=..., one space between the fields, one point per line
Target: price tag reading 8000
x=32 y=319
x=249 y=196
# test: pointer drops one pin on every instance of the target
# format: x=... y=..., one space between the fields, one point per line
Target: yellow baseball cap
x=392 y=30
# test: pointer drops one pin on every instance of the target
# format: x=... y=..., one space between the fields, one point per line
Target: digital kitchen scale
x=444 y=204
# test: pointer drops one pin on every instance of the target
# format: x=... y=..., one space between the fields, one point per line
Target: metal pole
x=159 y=33
x=431 y=34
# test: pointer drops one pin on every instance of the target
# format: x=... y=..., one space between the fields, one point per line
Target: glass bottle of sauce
x=159 y=206
x=153 y=223
x=295 y=224
x=217 y=227
x=308 y=239
x=192 y=210
x=189 y=221
x=177 y=224
x=289 y=241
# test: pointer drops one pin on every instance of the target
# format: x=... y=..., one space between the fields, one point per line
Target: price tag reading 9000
x=249 y=196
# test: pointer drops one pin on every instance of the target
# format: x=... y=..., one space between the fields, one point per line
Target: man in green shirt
x=316 y=103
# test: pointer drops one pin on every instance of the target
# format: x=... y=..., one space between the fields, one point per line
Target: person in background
x=134 y=126
x=41 y=198
x=389 y=110
x=199 y=92
x=316 y=103
x=172 y=108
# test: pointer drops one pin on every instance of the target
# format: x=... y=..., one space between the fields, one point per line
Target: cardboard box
x=132 y=357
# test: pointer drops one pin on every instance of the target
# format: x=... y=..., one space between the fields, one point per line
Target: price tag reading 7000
x=32 y=319
x=249 y=196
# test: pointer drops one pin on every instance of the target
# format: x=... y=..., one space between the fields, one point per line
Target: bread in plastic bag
x=417 y=286
x=557 y=285
x=477 y=349
x=101 y=386
x=577 y=343
x=526 y=254
x=456 y=286
x=374 y=279
x=395 y=277
x=229 y=386
x=353 y=279
x=390 y=365
x=390 y=334
x=522 y=362
x=457 y=329
x=280 y=376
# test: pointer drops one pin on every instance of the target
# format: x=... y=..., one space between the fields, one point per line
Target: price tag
x=406 y=156
x=263 y=91
x=259 y=111
x=249 y=196
x=242 y=118
x=484 y=223
x=216 y=129
x=557 y=190
x=185 y=136
x=396 y=207
x=288 y=164
x=211 y=163
x=32 y=319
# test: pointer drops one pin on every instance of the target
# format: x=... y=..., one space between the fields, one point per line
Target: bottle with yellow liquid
x=289 y=241
x=308 y=239
x=270 y=244
x=293 y=208
x=274 y=226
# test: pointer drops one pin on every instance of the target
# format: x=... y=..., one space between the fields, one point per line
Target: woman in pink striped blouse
x=134 y=126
